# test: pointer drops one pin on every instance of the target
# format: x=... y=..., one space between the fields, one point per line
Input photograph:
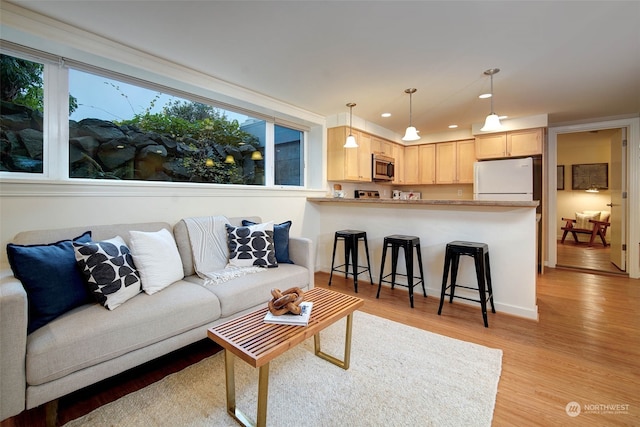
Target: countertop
x=497 y=203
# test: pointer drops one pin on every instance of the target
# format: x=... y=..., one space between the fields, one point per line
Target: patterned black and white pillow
x=251 y=246
x=109 y=271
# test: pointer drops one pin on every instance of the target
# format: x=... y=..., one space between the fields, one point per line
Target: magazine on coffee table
x=301 y=319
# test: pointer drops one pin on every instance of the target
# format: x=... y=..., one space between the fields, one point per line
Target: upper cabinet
x=348 y=164
x=518 y=143
x=427 y=157
x=454 y=162
x=397 y=152
x=412 y=164
x=381 y=146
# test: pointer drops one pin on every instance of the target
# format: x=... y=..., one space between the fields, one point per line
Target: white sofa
x=90 y=343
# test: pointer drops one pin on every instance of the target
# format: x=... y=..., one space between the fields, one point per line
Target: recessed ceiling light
x=385 y=115
x=453 y=126
x=485 y=96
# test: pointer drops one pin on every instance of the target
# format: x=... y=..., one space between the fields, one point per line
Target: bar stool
x=480 y=254
x=397 y=241
x=351 y=239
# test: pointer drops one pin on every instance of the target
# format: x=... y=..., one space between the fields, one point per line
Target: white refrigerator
x=509 y=179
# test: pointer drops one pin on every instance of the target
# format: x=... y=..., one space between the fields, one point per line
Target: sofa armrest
x=301 y=253
x=13 y=345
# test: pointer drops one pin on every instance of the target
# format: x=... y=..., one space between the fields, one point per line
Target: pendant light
x=256 y=155
x=411 y=134
x=492 y=121
x=351 y=140
x=592 y=189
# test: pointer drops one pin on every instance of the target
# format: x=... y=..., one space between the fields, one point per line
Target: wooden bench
x=599 y=229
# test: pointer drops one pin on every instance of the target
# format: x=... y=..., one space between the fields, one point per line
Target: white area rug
x=399 y=376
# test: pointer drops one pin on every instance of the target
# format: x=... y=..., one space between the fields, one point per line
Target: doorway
x=632 y=205
x=589 y=179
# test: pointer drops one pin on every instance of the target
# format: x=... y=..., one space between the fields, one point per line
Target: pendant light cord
x=410 y=108
x=492 y=94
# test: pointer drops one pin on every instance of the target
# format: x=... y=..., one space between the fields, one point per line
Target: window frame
x=56 y=129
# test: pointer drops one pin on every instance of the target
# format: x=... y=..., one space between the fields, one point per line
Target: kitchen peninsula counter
x=508 y=227
x=454 y=202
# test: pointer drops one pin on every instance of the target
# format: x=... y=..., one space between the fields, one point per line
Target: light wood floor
x=580 y=255
x=584 y=348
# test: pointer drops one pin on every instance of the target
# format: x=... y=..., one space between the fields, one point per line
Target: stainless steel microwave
x=382 y=167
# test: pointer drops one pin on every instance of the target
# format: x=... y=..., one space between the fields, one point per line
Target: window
x=288 y=156
x=21 y=113
x=128 y=132
x=123 y=128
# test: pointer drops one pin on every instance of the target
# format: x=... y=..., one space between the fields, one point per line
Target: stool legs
x=487 y=270
x=408 y=258
x=384 y=257
x=483 y=276
x=479 y=262
x=366 y=248
x=333 y=259
x=419 y=253
x=408 y=254
x=445 y=278
x=354 y=262
x=351 y=240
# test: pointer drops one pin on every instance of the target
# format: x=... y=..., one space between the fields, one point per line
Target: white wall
x=42 y=206
x=510 y=233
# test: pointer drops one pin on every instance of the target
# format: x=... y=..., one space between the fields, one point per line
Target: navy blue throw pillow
x=280 y=240
x=50 y=275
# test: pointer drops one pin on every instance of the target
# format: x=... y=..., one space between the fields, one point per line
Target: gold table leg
x=344 y=364
x=263 y=393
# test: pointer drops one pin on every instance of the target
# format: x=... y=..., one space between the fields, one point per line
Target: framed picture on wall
x=560 y=176
x=592 y=175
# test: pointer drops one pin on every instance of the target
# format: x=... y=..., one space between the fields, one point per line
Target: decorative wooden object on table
x=286 y=302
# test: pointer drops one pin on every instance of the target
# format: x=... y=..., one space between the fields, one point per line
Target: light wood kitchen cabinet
x=411 y=164
x=518 y=143
x=381 y=146
x=454 y=162
x=397 y=152
x=446 y=163
x=348 y=164
x=427 y=158
x=420 y=164
x=465 y=158
x=526 y=142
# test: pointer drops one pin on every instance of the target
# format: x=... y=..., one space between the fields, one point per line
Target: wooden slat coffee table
x=257 y=343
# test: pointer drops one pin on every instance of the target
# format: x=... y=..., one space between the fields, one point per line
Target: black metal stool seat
x=351 y=239
x=397 y=241
x=480 y=253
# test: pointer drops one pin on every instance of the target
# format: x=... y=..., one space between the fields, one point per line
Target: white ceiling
x=572 y=60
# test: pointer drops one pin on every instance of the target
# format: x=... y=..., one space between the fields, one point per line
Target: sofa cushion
x=51 y=278
x=109 y=271
x=280 y=240
x=247 y=291
x=251 y=245
x=89 y=335
x=157 y=259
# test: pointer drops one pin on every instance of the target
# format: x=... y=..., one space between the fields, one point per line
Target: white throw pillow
x=157 y=259
x=582 y=220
